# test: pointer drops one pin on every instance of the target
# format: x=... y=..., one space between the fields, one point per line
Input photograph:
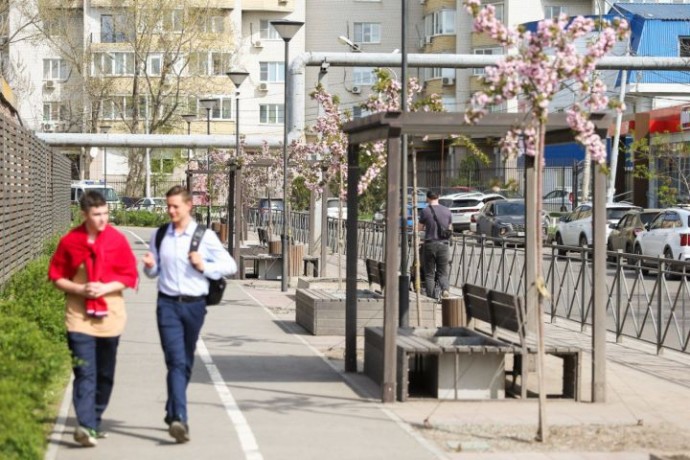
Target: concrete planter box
x=322 y=312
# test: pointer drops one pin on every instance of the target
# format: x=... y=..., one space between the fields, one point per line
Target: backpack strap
x=196 y=238
x=160 y=234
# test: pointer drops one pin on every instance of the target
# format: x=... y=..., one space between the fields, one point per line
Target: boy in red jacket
x=93 y=264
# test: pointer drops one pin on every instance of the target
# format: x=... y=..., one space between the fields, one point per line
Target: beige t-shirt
x=76 y=319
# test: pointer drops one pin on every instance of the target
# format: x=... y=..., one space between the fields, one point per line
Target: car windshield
x=108 y=193
x=647 y=217
x=465 y=203
x=616 y=213
x=159 y=202
x=510 y=209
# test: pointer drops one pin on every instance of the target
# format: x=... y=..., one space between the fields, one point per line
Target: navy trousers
x=179 y=325
x=436 y=265
x=93 y=361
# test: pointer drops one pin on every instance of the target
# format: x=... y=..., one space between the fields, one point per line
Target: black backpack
x=216 y=288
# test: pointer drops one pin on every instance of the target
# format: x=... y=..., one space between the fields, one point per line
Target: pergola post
x=599 y=294
x=351 y=259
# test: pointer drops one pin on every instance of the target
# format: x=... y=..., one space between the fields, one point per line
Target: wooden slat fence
x=34 y=196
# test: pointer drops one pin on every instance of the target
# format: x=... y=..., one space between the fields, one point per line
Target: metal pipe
x=195 y=141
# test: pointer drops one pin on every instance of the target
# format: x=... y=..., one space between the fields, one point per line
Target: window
x=438 y=72
x=360 y=112
x=162 y=163
x=553 y=12
x=174 y=21
x=267 y=31
x=54 y=111
x=211 y=63
x=272 y=72
x=154 y=64
x=222 y=111
x=498 y=7
x=367 y=32
x=113 y=28
x=271 y=113
x=449 y=103
x=684 y=46
x=117 y=108
x=113 y=64
x=55 y=69
x=363 y=76
x=441 y=22
x=214 y=24
x=487 y=52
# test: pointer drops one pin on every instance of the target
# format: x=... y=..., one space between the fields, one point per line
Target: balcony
x=283 y=6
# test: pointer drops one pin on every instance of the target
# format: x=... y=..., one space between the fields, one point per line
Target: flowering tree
x=535 y=68
x=331 y=143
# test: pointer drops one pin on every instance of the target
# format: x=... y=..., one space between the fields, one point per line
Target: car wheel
x=559 y=242
x=638 y=251
x=669 y=269
x=610 y=257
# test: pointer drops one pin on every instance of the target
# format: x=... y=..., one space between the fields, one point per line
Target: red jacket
x=108 y=259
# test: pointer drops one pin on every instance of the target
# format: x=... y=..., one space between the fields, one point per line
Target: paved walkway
x=264 y=389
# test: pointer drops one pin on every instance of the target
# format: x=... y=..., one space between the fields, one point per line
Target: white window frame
x=271 y=114
x=110 y=64
x=367 y=32
x=441 y=72
x=214 y=24
x=363 y=76
x=491 y=51
x=55 y=69
x=54 y=111
x=223 y=111
x=272 y=72
x=267 y=31
x=553 y=11
x=154 y=65
x=117 y=108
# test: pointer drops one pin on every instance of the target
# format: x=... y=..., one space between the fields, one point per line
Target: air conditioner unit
x=422 y=2
x=49 y=84
x=258 y=44
x=47 y=127
x=447 y=81
x=427 y=39
x=282 y=2
x=263 y=86
x=356 y=90
x=421 y=43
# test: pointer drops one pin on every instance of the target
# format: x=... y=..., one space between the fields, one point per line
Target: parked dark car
x=504 y=219
x=633 y=223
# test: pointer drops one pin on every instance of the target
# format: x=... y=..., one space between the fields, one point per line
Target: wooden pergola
x=390 y=126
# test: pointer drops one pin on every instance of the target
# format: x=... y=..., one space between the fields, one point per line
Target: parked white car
x=333 y=205
x=463 y=205
x=575 y=228
x=668 y=236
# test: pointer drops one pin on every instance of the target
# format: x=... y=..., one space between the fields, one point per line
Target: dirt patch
x=581 y=438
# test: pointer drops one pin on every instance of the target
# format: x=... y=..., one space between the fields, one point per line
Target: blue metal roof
x=653 y=11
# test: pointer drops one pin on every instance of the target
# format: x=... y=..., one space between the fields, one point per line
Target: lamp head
x=287 y=29
x=104 y=129
x=346 y=41
x=208 y=104
x=189 y=117
x=237 y=77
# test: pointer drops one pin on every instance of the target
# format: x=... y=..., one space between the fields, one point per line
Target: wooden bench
x=445 y=363
x=506 y=316
x=376 y=273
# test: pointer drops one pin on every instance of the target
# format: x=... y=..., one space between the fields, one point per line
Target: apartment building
x=78 y=66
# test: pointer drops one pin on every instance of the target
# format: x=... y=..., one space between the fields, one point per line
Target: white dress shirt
x=176 y=274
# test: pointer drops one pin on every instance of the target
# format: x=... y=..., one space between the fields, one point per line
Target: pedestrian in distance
x=437 y=221
x=183 y=284
x=92 y=265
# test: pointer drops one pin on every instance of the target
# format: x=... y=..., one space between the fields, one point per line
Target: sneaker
x=179 y=431
x=87 y=437
x=101 y=434
x=445 y=295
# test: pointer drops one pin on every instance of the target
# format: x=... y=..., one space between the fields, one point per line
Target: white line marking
x=433 y=449
x=244 y=431
x=60 y=423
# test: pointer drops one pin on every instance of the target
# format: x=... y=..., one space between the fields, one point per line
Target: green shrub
x=138 y=218
x=34 y=363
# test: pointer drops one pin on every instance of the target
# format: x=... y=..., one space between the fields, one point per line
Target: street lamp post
x=234 y=194
x=189 y=118
x=104 y=130
x=286 y=29
x=208 y=104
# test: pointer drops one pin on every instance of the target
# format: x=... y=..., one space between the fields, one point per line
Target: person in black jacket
x=437 y=221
